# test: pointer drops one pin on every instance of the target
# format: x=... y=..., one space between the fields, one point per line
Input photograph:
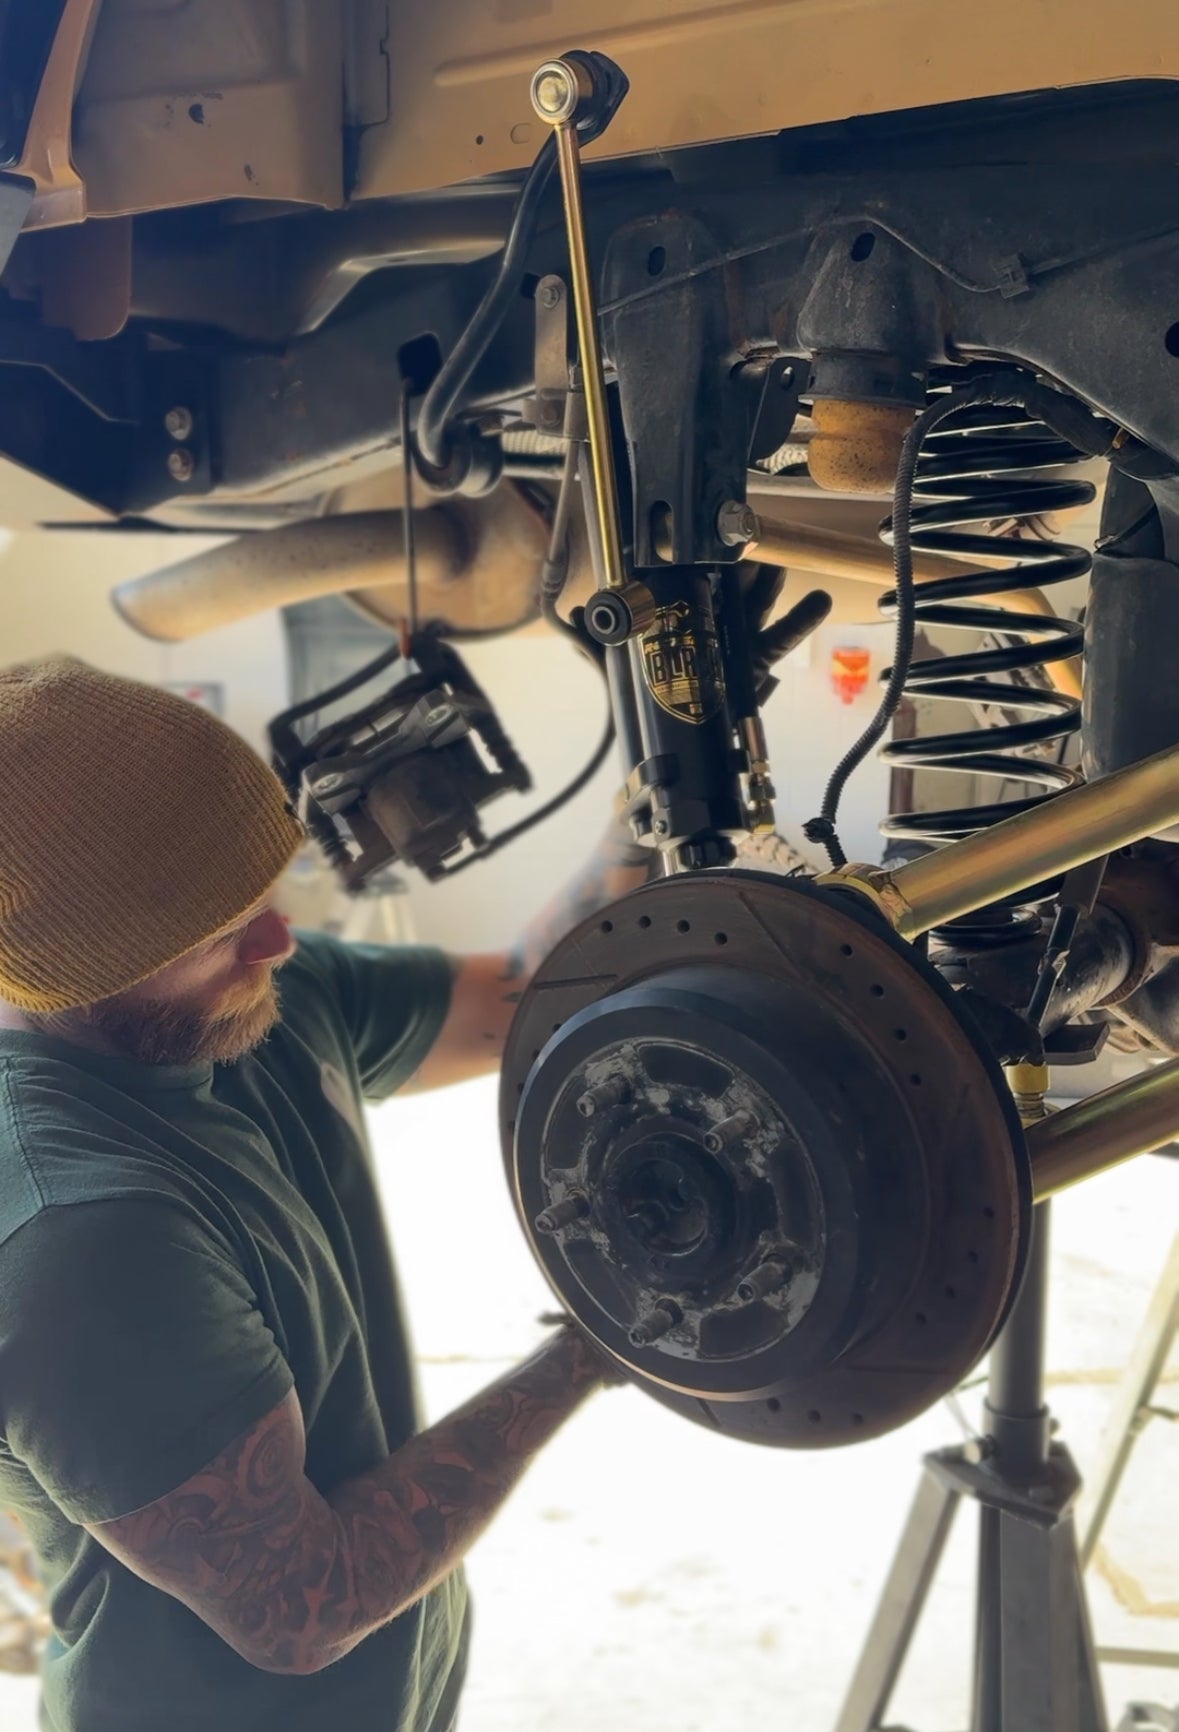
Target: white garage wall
x=55 y=595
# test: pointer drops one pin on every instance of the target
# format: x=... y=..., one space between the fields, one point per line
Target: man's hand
x=488 y=988
x=293 y=1579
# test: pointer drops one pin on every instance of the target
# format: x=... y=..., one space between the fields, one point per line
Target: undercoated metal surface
x=724 y=1072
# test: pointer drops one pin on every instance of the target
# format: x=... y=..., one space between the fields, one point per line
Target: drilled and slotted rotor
x=764 y=1159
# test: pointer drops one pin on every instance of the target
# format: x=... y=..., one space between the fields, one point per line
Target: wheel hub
x=764 y=1159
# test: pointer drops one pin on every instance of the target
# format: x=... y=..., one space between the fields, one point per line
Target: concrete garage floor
x=652 y=1577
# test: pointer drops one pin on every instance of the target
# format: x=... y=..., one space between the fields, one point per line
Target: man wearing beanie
x=207 y=1415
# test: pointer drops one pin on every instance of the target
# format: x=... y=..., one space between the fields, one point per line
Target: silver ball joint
x=556 y=92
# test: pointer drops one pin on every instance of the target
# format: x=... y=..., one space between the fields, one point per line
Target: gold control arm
x=1132 y=1118
x=559 y=88
x=1064 y=832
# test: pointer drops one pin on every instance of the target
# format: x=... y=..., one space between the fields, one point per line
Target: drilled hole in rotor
x=1172 y=340
x=846 y=950
x=815 y=1417
x=861 y=247
x=683 y=926
x=774 y=1405
x=720 y=938
x=915 y=1079
x=606 y=926
x=656 y=260
x=857 y=1419
x=901 y=1033
x=876 y=991
x=644 y=921
x=921 y=1319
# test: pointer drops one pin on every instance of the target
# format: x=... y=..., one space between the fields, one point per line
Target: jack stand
x=1035 y=1668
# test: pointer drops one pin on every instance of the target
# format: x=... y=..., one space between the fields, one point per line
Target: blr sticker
x=681 y=661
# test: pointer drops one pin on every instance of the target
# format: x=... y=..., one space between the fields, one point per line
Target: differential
x=764 y=1158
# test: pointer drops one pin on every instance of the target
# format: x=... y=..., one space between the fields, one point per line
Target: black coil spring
x=981 y=467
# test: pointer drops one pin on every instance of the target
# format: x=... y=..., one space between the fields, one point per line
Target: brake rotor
x=764 y=1159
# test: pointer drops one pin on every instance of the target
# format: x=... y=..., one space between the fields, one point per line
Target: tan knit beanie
x=133 y=826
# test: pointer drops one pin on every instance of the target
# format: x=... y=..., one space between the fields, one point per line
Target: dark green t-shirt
x=178 y=1246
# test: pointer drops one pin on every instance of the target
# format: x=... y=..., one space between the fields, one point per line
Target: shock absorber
x=985 y=465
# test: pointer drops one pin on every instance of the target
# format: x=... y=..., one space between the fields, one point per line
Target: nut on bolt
x=736 y=523
x=181 y=464
x=654 y=1324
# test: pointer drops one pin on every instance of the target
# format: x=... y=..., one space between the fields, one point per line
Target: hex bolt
x=661 y=827
x=604 y=1094
x=654 y=1324
x=181 y=464
x=768 y=1277
x=327 y=784
x=179 y=423
x=438 y=715
x=736 y=523
x=730 y=1130
x=563 y=1214
x=550 y=294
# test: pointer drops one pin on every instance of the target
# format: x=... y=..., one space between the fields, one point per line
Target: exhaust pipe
x=478 y=565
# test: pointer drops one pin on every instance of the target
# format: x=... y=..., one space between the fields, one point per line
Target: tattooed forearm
x=293 y=1580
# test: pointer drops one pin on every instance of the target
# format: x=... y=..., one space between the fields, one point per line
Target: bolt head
x=555 y=92
x=550 y=294
x=327 y=784
x=179 y=422
x=736 y=523
x=438 y=715
x=181 y=465
x=660 y=826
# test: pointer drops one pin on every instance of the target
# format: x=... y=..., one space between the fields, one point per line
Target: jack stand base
x=1041 y=1672
x=1035 y=1669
